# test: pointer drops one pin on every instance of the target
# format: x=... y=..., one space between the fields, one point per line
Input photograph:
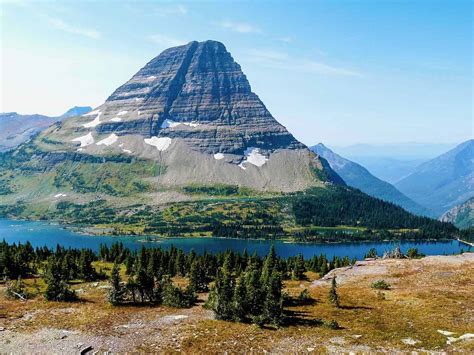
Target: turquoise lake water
x=45 y=234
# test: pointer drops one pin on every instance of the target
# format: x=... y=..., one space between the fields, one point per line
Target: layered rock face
x=200 y=85
x=193 y=109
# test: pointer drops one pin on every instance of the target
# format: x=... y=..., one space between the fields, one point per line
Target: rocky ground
x=429 y=307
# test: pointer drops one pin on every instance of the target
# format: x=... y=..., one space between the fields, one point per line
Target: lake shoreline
x=89 y=232
x=51 y=233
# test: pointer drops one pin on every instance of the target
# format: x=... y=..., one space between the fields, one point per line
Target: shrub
x=305 y=297
x=16 y=289
x=332 y=324
x=381 y=285
x=176 y=297
x=413 y=253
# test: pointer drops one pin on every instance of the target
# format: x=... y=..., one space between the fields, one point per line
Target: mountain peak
x=192 y=109
x=76 y=111
x=197 y=83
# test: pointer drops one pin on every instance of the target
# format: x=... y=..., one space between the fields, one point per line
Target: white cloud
x=171 y=10
x=166 y=41
x=281 y=60
x=240 y=27
x=65 y=27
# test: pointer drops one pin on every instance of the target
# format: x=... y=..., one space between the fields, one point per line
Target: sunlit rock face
x=193 y=110
x=201 y=86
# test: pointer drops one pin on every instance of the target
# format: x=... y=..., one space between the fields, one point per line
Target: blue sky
x=338 y=72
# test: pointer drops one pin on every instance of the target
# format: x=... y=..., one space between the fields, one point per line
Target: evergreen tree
x=56 y=288
x=145 y=283
x=273 y=306
x=175 y=297
x=333 y=296
x=86 y=271
x=132 y=287
x=129 y=262
x=299 y=269
x=324 y=267
x=117 y=292
x=103 y=252
x=255 y=295
x=269 y=264
x=241 y=309
x=180 y=264
x=197 y=277
x=223 y=307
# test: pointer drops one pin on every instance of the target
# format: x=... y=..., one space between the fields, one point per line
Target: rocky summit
x=192 y=110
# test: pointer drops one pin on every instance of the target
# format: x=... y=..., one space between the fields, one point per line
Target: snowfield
x=93 y=123
x=171 y=124
x=109 y=140
x=85 y=140
x=92 y=113
x=160 y=143
x=253 y=156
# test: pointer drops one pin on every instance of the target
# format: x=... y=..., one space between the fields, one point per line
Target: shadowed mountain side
x=357 y=176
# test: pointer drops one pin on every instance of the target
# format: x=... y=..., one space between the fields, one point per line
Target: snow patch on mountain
x=253 y=156
x=92 y=113
x=109 y=140
x=93 y=123
x=85 y=140
x=160 y=143
x=171 y=124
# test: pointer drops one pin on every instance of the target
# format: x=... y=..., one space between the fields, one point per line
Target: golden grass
x=423 y=298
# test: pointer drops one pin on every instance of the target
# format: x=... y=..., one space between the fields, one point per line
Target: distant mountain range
x=400 y=151
x=16 y=128
x=443 y=182
x=359 y=177
x=388 y=169
x=462 y=216
x=392 y=162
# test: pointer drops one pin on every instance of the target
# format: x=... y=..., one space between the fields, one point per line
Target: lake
x=46 y=234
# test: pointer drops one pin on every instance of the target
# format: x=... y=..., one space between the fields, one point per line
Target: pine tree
x=57 y=289
x=298 y=269
x=132 y=287
x=180 y=263
x=269 y=264
x=129 y=262
x=145 y=283
x=273 y=306
x=197 y=277
x=241 y=309
x=86 y=271
x=223 y=307
x=176 y=297
x=117 y=292
x=324 y=267
x=333 y=296
x=255 y=295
